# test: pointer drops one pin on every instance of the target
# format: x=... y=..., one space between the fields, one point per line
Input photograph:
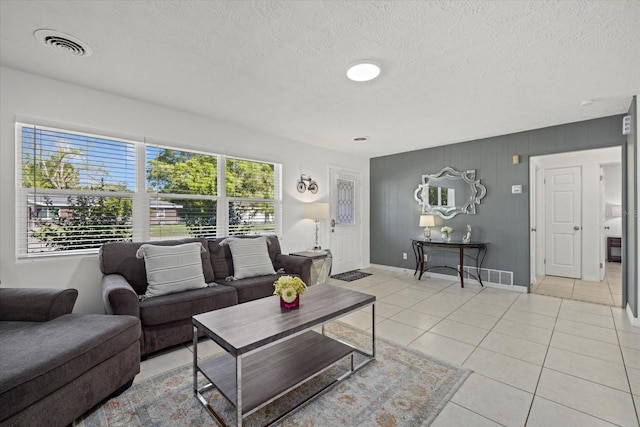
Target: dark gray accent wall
x=502 y=219
x=630 y=208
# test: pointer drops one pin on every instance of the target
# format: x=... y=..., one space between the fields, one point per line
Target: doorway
x=346 y=233
x=574 y=200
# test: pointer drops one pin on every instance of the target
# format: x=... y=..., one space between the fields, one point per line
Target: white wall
x=636 y=215
x=28 y=97
x=589 y=161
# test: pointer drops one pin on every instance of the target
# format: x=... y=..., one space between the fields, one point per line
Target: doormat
x=350 y=276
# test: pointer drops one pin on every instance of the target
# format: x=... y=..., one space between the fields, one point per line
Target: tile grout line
x=626 y=371
x=546 y=353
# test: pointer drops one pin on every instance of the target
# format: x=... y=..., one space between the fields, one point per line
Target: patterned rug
x=350 y=276
x=401 y=387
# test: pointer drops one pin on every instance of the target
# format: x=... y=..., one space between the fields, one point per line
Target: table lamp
x=427 y=222
x=316 y=211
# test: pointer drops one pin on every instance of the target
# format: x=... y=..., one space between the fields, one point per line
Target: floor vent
x=489 y=275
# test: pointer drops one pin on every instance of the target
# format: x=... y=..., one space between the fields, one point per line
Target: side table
x=321 y=268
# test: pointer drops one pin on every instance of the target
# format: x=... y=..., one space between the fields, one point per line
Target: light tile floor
x=536 y=360
x=608 y=291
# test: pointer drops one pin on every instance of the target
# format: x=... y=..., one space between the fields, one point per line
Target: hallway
x=607 y=292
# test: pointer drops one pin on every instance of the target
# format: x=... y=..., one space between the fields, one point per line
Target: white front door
x=563 y=222
x=345 y=220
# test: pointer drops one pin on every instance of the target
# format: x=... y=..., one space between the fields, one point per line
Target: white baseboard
x=634 y=320
x=520 y=289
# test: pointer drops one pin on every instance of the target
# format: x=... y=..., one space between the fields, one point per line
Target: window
x=442 y=196
x=251 y=193
x=184 y=184
x=75 y=190
x=78 y=191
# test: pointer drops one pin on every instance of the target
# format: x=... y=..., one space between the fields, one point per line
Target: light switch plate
x=516 y=189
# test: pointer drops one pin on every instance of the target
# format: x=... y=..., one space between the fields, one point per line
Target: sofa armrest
x=35 y=304
x=118 y=296
x=295 y=265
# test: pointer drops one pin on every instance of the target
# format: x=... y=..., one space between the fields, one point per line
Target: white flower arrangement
x=446 y=230
x=288 y=287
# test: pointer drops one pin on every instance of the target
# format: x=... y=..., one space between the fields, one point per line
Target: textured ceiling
x=451 y=71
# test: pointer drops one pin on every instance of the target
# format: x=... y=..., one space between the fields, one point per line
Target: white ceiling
x=451 y=71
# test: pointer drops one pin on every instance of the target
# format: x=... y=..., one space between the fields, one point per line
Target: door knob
x=575 y=227
x=607 y=228
x=333 y=222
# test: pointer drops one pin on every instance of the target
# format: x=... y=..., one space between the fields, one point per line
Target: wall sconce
x=312 y=186
x=427 y=221
x=316 y=211
x=515 y=159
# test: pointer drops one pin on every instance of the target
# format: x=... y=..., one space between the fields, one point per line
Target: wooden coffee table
x=271 y=351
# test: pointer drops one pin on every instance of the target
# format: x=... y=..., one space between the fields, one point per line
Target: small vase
x=446 y=237
x=290 y=305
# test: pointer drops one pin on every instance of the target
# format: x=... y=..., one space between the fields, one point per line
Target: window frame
x=141 y=199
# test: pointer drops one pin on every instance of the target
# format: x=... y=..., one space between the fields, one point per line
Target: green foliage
x=56 y=171
x=180 y=172
x=87 y=222
x=249 y=179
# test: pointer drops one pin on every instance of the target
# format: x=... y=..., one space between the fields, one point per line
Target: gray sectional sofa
x=166 y=319
x=54 y=365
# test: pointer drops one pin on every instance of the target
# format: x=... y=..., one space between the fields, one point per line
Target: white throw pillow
x=172 y=269
x=250 y=257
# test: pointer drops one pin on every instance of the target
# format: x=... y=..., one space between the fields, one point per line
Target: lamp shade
x=427 y=221
x=316 y=210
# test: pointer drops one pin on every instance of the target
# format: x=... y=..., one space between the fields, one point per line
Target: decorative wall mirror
x=449 y=193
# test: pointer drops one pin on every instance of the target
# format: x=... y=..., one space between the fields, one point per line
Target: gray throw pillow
x=250 y=257
x=172 y=269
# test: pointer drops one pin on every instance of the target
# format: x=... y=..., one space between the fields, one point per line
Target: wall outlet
x=404 y=255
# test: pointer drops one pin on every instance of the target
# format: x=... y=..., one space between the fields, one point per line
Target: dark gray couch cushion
x=120 y=258
x=37 y=361
x=253 y=287
x=182 y=305
x=35 y=304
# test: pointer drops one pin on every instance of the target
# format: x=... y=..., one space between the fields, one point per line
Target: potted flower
x=446 y=232
x=289 y=288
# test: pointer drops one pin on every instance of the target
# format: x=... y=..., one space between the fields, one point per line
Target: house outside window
x=77 y=191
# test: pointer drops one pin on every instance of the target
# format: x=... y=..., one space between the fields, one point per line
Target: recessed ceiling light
x=363 y=71
x=361 y=139
x=63 y=43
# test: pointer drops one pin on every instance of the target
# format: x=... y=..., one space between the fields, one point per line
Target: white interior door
x=533 y=170
x=601 y=223
x=345 y=220
x=563 y=222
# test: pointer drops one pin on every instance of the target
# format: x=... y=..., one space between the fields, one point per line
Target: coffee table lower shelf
x=269 y=373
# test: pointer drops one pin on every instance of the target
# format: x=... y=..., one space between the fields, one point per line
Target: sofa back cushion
x=120 y=258
x=250 y=257
x=172 y=269
x=222 y=260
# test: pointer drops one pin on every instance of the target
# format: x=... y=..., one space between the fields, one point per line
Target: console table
x=479 y=250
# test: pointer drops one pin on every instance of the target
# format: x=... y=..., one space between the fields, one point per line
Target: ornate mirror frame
x=478 y=191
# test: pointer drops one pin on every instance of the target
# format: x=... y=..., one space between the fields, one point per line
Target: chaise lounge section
x=54 y=365
x=166 y=319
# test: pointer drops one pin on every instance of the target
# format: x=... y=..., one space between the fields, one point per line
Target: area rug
x=350 y=276
x=402 y=387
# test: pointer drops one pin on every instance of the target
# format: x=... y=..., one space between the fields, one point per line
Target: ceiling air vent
x=63 y=43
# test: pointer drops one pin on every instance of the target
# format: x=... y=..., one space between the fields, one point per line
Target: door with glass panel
x=345 y=220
